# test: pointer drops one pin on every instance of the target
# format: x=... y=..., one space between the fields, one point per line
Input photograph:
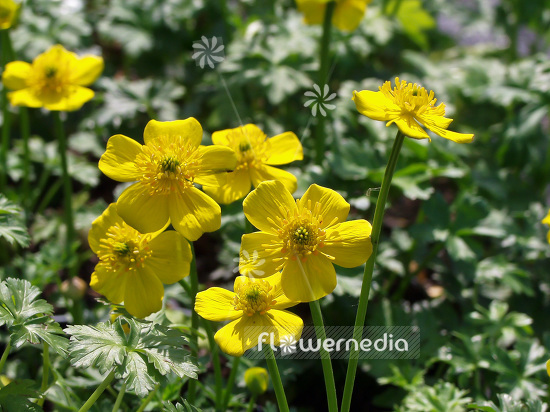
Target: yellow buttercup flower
x=346 y=16
x=165 y=169
x=256 y=154
x=255 y=307
x=8 y=13
x=55 y=80
x=410 y=107
x=302 y=238
x=133 y=266
x=546 y=221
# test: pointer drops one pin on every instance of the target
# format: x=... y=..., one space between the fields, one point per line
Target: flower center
x=251 y=147
x=412 y=99
x=168 y=165
x=253 y=296
x=124 y=248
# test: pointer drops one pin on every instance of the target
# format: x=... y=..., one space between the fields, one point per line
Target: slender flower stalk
x=4 y=357
x=45 y=372
x=323 y=79
x=119 y=398
x=217 y=365
x=369 y=268
x=149 y=398
x=194 y=286
x=25 y=133
x=230 y=382
x=67 y=190
x=326 y=363
x=97 y=393
x=6 y=114
x=276 y=379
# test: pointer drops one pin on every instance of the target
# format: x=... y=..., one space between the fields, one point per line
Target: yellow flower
x=546 y=221
x=254 y=308
x=54 y=80
x=548 y=367
x=410 y=107
x=165 y=169
x=255 y=153
x=303 y=238
x=8 y=13
x=346 y=16
x=256 y=380
x=133 y=266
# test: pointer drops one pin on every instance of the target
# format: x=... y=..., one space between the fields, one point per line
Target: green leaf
x=140 y=357
x=415 y=20
x=12 y=227
x=15 y=397
x=18 y=302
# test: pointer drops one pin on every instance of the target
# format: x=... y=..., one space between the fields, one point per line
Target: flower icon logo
x=251 y=261
x=319 y=100
x=288 y=345
x=208 y=52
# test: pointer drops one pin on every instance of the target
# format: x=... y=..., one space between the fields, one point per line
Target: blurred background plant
x=463 y=254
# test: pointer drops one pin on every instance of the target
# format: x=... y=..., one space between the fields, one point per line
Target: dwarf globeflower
x=55 y=80
x=8 y=13
x=255 y=307
x=410 y=107
x=346 y=16
x=302 y=238
x=256 y=154
x=166 y=168
x=133 y=266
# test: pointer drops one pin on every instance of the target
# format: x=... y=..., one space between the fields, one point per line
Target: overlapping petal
x=16 y=74
x=118 y=161
x=141 y=210
x=260 y=256
x=189 y=129
x=171 y=257
x=144 y=293
x=265 y=173
x=216 y=304
x=284 y=148
x=309 y=280
x=332 y=205
x=348 y=243
x=237 y=186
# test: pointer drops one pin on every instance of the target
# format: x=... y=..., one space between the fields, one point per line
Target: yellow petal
x=447 y=134
x=189 y=129
x=192 y=213
x=86 y=70
x=70 y=100
x=215 y=159
x=144 y=293
x=101 y=225
x=333 y=207
x=309 y=280
x=348 y=14
x=349 y=243
x=409 y=127
x=16 y=74
x=313 y=10
x=269 y=200
x=240 y=335
x=286 y=325
x=24 y=97
x=223 y=137
x=282 y=301
x=284 y=148
x=110 y=284
x=260 y=254
x=217 y=304
x=375 y=105
x=171 y=257
x=266 y=173
x=118 y=160
x=236 y=187
x=546 y=220
x=145 y=212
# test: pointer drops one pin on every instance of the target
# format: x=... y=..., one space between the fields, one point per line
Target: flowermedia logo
x=377 y=342
x=208 y=52
x=320 y=98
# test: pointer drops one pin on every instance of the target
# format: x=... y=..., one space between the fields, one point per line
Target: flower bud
x=256 y=380
x=74 y=288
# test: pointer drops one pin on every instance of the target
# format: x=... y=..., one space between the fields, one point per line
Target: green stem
x=330 y=386
x=230 y=382
x=251 y=404
x=67 y=189
x=216 y=362
x=276 y=379
x=45 y=372
x=25 y=133
x=149 y=398
x=4 y=357
x=323 y=79
x=97 y=393
x=6 y=115
x=369 y=268
x=194 y=340
x=119 y=397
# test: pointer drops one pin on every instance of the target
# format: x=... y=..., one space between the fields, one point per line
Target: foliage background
x=464 y=255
